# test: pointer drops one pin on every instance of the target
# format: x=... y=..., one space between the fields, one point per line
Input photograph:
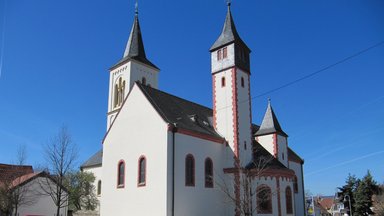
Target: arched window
x=222 y=81
x=264 y=200
x=295 y=185
x=115 y=96
x=208 y=169
x=242 y=82
x=288 y=200
x=142 y=171
x=143 y=81
x=99 y=187
x=189 y=171
x=120 y=174
x=224 y=52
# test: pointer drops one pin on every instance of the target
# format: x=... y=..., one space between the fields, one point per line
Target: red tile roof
x=10 y=172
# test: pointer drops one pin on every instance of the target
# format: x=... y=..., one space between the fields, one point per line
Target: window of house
x=224 y=52
x=189 y=171
x=142 y=171
x=208 y=167
x=219 y=54
x=295 y=185
x=222 y=81
x=242 y=82
x=121 y=174
x=143 y=81
x=99 y=187
x=288 y=200
x=264 y=200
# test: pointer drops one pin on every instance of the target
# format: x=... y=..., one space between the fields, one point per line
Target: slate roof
x=229 y=33
x=270 y=123
x=95 y=160
x=263 y=157
x=185 y=114
x=135 y=47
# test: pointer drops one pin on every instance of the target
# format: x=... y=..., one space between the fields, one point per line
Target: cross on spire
x=137 y=7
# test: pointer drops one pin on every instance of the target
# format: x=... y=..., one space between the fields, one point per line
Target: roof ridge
x=145 y=86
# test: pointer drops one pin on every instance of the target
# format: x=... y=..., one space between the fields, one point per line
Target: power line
x=311 y=74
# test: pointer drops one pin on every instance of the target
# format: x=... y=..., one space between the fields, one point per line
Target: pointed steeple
x=135 y=46
x=270 y=123
x=229 y=33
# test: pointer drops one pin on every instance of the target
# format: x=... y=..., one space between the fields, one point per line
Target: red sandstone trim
x=266 y=173
x=201 y=136
x=250 y=109
x=275 y=146
x=235 y=114
x=278 y=196
x=214 y=101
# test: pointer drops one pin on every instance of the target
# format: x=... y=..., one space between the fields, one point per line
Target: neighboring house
x=164 y=155
x=31 y=187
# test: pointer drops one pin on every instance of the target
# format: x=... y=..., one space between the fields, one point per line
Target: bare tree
x=13 y=192
x=244 y=178
x=60 y=155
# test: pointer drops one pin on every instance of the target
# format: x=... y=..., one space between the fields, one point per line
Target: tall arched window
x=288 y=200
x=264 y=199
x=99 y=187
x=143 y=81
x=189 y=171
x=222 y=81
x=242 y=81
x=120 y=174
x=142 y=172
x=208 y=169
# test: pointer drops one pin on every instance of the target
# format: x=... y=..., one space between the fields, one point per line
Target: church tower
x=272 y=137
x=133 y=67
x=230 y=67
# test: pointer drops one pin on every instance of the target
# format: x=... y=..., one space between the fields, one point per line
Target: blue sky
x=55 y=57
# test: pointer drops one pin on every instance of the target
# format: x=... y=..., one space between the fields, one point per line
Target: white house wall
x=267 y=142
x=299 y=196
x=138 y=130
x=282 y=148
x=43 y=204
x=97 y=172
x=198 y=200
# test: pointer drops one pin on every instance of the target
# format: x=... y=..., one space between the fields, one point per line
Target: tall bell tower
x=133 y=67
x=231 y=90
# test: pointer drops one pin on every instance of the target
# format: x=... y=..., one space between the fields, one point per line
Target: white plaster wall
x=130 y=72
x=244 y=117
x=43 y=204
x=270 y=182
x=267 y=142
x=224 y=113
x=282 y=154
x=138 y=130
x=97 y=172
x=284 y=183
x=217 y=65
x=299 y=196
x=198 y=200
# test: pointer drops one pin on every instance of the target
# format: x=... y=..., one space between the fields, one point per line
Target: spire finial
x=136 y=7
x=229 y=3
x=269 y=100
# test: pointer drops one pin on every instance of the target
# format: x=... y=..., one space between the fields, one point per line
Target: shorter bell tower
x=133 y=67
x=230 y=67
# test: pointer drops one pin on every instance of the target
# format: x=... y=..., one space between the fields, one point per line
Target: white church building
x=166 y=156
